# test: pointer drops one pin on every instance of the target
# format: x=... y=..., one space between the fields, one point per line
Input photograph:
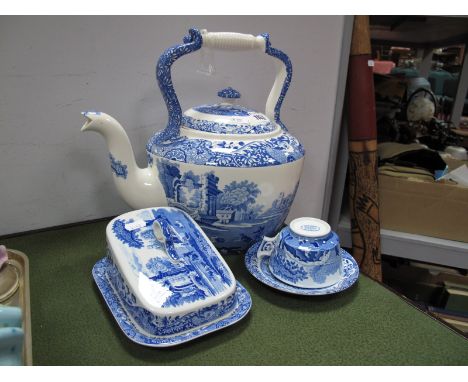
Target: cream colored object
x=459 y=175
x=424 y=208
x=391 y=149
x=420 y=109
x=406 y=172
x=457 y=152
x=141 y=187
x=3 y=255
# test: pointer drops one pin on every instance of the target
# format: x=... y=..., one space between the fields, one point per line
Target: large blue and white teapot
x=233 y=169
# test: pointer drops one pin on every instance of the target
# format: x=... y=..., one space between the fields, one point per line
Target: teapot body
x=233 y=169
x=234 y=206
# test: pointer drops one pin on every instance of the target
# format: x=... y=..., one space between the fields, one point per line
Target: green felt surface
x=364 y=325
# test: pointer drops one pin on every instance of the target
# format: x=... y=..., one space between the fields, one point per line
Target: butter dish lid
x=167 y=261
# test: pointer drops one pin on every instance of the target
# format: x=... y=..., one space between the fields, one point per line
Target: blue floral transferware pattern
x=118 y=168
x=168 y=276
x=251 y=153
x=275 y=151
x=229 y=215
x=193 y=42
x=312 y=261
x=288 y=270
x=138 y=335
x=167 y=325
x=229 y=93
x=311 y=250
x=170 y=144
x=259 y=267
x=224 y=109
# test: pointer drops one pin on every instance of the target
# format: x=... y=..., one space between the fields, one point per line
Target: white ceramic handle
x=240 y=42
x=267 y=246
x=232 y=41
x=158 y=232
x=197 y=39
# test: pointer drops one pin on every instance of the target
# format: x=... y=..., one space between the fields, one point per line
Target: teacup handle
x=267 y=246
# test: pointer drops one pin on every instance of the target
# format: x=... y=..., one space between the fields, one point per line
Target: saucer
x=259 y=268
x=140 y=336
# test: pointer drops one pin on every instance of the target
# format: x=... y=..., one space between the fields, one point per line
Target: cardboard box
x=431 y=209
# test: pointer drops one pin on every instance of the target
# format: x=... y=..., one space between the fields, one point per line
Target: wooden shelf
x=426 y=32
x=419 y=31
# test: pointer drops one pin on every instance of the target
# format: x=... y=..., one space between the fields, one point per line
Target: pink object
x=383 y=67
x=3 y=255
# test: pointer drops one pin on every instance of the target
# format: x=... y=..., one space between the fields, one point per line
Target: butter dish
x=164 y=281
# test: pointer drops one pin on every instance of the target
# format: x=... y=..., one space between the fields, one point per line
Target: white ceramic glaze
x=310 y=227
x=457 y=152
x=173 y=284
x=233 y=169
x=139 y=335
x=258 y=265
x=306 y=254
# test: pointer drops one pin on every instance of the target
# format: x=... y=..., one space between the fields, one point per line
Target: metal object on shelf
x=19 y=296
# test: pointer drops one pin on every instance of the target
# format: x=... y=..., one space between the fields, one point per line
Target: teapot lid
x=227 y=117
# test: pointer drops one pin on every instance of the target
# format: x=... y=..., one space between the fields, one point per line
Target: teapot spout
x=139 y=187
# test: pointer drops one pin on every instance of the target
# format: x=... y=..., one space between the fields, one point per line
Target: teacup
x=305 y=254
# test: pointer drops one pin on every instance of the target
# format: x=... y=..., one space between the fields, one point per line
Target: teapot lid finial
x=229 y=92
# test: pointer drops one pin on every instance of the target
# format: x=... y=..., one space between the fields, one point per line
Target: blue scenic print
x=321 y=255
x=158 y=331
x=287 y=270
x=192 y=42
x=230 y=216
x=259 y=267
x=224 y=109
x=319 y=273
x=227 y=128
x=270 y=152
x=190 y=269
x=129 y=237
x=167 y=325
x=324 y=249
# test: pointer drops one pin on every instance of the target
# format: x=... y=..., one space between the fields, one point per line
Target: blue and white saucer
x=140 y=336
x=258 y=267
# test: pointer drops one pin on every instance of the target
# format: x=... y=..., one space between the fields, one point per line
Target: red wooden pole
x=362 y=145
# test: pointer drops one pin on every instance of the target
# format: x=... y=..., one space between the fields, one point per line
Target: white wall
x=54 y=67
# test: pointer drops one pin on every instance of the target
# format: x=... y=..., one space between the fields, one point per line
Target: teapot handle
x=222 y=41
x=232 y=41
